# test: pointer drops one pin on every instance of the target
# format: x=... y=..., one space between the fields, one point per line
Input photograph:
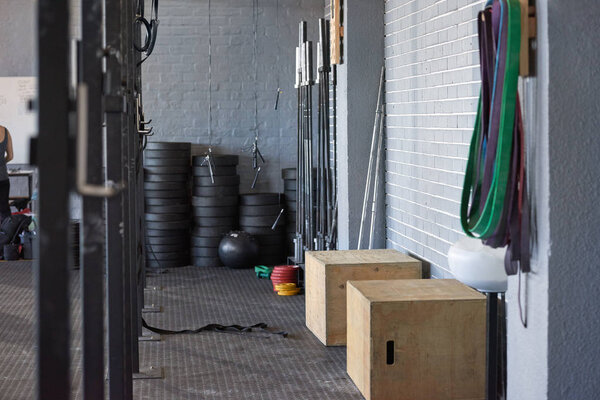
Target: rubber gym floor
x=207 y=365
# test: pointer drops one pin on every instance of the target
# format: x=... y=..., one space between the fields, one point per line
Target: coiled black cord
x=151 y=28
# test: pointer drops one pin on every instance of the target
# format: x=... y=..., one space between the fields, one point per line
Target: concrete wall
x=176 y=78
x=358 y=80
x=556 y=356
x=574 y=146
x=432 y=66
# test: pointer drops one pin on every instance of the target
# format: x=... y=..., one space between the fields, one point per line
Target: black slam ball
x=238 y=250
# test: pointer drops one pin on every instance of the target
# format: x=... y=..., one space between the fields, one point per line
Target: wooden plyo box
x=416 y=340
x=326 y=274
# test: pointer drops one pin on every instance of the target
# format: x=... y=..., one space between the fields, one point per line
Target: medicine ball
x=238 y=249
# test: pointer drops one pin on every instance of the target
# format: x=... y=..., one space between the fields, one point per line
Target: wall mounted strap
x=494 y=204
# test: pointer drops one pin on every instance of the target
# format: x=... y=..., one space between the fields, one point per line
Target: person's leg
x=4 y=192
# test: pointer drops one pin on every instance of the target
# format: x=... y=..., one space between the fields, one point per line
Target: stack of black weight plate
x=258 y=213
x=167 y=204
x=289 y=190
x=215 y=206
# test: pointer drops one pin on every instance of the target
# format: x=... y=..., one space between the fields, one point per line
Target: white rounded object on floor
x=477 y=265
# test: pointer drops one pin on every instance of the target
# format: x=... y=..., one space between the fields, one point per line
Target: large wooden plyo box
x=326 y=274
x=416 y=340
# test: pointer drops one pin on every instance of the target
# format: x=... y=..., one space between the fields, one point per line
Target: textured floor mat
x=237 y=366
x=200 y=366
x=17 y=332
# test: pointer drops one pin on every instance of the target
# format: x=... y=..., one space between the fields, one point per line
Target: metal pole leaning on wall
x=374 y=140
x=332 y=240
x=374 y=202
x=51 y=269
x=119 y=358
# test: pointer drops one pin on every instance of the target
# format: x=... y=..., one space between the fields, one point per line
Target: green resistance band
x=483 y=224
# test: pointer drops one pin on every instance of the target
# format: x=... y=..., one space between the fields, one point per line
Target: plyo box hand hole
x=389 y=352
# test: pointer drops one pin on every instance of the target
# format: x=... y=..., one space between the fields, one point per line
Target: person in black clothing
x=6 y=155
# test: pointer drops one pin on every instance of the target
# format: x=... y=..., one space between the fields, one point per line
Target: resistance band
x=494 y=204
x=217 y=328
x=151 y=28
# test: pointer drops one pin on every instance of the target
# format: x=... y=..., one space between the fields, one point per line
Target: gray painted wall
x=358 y=80
x=176 y=78
x=574 y=147
x=17 y=34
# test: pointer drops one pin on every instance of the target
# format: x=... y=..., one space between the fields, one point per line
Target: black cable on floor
x=239 y=329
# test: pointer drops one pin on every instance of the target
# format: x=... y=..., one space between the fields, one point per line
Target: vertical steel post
x=492 y=347
x=310 y=244
x=139 y=193
x=131 y=218
x=134 y=198
x=119 y=358
x=51 y=273
x=125 y=132
x=367 y=194
x=92 y=234
x=126 y=46
x=334 y=179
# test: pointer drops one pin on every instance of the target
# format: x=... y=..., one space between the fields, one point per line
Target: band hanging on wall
x=494 y=204
x=151 y=28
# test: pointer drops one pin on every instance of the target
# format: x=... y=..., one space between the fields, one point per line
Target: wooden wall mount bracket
x=336 y=32
x=528 y=38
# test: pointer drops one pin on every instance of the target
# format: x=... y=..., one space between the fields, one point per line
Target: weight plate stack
x=167 y=213
x=214 y=206
x=258 y=213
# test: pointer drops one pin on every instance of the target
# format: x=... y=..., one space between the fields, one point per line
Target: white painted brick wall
x=75 y=19
x=175 y=78
x=432 y=88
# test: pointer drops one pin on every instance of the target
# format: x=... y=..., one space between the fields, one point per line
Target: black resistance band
x=150 y=26
x=238 y=329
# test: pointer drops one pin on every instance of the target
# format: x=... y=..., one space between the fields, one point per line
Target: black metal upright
x=51 y=271
x=92 y=234
x=119 y=346
x=131 y=202
x=492 y=346
x=140 y=222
